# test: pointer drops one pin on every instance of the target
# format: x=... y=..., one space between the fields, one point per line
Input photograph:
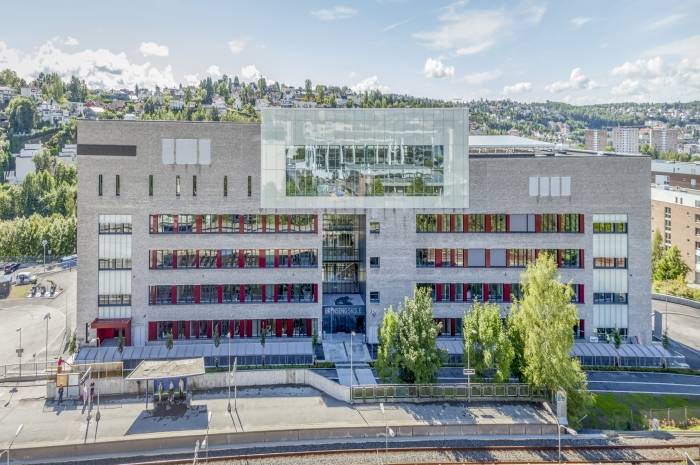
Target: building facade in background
x=625 y=139
x=596 y=139
x=664 y=140
x=315 y=221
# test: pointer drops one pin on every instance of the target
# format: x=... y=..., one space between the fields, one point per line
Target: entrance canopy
x=159 y=369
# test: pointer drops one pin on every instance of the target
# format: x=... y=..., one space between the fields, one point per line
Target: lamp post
x=19 y=354
x=47 y=317
x=196 y=452
x=7 y=451
x=468 y=372
x=352 y=373
x=559 y=439
x=205 y=443
x=44 y=243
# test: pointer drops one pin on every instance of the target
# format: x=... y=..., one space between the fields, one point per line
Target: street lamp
x=44 y=243
x=352 y=373
x=47 y=317
x=469 y=371
x=205 y=443
x=7 y=451
x=387 y=431
x=19 y=354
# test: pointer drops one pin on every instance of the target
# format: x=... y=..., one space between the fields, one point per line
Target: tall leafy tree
x=486 y=342
x=545 y=318
x=388 y=356
x=21 y=113
x=671 y=265
x=657 y=250
x=418 y=331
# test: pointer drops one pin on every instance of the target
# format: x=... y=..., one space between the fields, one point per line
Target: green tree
x=486 y=342
x=217 y=336
x=545 y=318
x=73 y=344
x=263 y=340
x=418 y=331
x=21 y=113
x=307 y=89
x=657 y=250
x=169 y=341
x=4 y=155
x=10 y=78
x=671 y=266
x=388 y=362
x=120 y=343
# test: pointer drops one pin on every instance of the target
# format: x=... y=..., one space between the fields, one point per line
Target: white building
x=6 y=93
x=24 y=162
x=625 y=139
x=50 y=112
x=68 y=154
x=664 y=139
x=31 y=92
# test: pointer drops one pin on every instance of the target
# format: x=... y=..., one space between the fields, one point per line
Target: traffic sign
x=469 y=371
x=19 y=352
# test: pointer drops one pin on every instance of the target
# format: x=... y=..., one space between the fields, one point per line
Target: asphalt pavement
x=683 y=325
x=643 y=382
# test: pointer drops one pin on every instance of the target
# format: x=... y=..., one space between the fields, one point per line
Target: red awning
x=116 y=323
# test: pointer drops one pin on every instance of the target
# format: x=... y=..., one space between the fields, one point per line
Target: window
x=113 y=300
x=177 y=186
x=114 y=264
x=115 y=228
x=475 y=291
x=569 y=258
x=207 y=258
x=374 y=297
x=230 y=223
x=229 y=258
x=374 y=262
x=166 y=223
x=99 y=185
x=498 y=223
x=610 y=228
x=374 y=227
x=164 y=259
x=210 y=223
x=209 y=294
x=549 y=223
x=459 y=223
x=161 y=295
x=608 y=262
x=303 y=258
x=425 y=258
x=116 y=185
x=569 y=223
x=302 y=223
x=476 y=223
x=185 y=294
x=445 y=223
x=253 y=293
x=186 y=258
x=609 y=298
x=225 y=186
x=426 y=223
x=194 y=186
x=477 y=258
x=251 y=258
x=150 y=185
x=252 y=223
x=496 y=292
x=250 y=186
x=231 y=293
x=520 y=258
x=185 y=224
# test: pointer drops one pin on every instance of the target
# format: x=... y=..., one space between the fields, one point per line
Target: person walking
x=92 y=391
x=60 y=394
x=85 y=394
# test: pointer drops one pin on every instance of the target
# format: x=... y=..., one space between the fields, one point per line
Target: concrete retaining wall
x=677 y=300
x=119 y=386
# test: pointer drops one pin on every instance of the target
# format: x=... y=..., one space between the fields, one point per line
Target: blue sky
x=530 y=50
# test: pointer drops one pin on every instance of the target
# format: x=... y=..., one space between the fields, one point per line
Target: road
x=28 y=314
x=643 y=382
x=683 y=326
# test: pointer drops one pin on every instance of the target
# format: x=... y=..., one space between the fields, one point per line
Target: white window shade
x=168 y=148
x=534 y=186
x=204 y=151
x=555 y=186
x=566 y=186
x=186 y=151
x=544 y=186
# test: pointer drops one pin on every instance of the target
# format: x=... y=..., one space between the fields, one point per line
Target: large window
x=609 y=262
x=186 y=258
x=425 y=257
x=185 y=224
x=207 y=258
x=570 y=258
x=185 y=294
x=230 y=223
x=231 y=293
x=362 y=171
x=610 y=228
x=209 y=294
x=476 y=223
x=210 y=223
x=549 y=223
x=569 y=223
x=609 y=298
x=164 y=259
x=498 y=223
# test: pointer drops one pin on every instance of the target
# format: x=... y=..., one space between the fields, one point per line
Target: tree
x=671 y=266
x=120 y=343
x=263 y=339
x=486 y=341
x=657 y=250
x=77 y=90
x=307 y=89
x=664 y=339
x=217 y=336
x=388 y=356
x=21 y=113
x=544 y=318
x=262 y=87
x=169 y=341
x=617 y=339
x=418 y=331
x=73 y=344
x=10 y=78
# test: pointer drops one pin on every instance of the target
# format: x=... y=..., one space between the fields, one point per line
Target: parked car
x=25 y=277
x=69 y=261
x=11 y=267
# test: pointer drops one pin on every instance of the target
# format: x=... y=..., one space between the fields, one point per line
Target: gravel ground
x=375 y=452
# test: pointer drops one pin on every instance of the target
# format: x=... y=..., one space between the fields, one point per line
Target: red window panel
x=581 y=328
x=220 y=293
x=220 y=222
x=453 y=291
x=438 y=292
x=198 y=224
x=263 y=223
x=506 y=292
x=439 y=223
x=261 y=257
x=581 y=259
x=241 y=258
x=197 y=293
x=290 y=328
x=453 y=326
x=452 y=257
x=466 y=257
x=309 y=327
x=195 y=328
x=196 y=258
x=289 y=292
x=187 y=329
x=538 y=223
x=438 y=257
x=487 y=258
x=241 y=293
x=315 y=288
x=154 y=224
x=452 y=223
x=277 y=258
x=153 y=295
x=176 y=224
x=558 y=223
x=219 y=261
x=581 y=225
x=175 y=329
x=175 y=259
x=173 y=294
x=559 y=258
x=507 y=223
x=486 y=292
x=249 y=327
x=210 y=328
x=152 y=330
x=154 y=259
x=581 y=295
x=241 y=223
x=465 y=223
x=276 y=292
x=487 y=223
x=465 y=289
x=278 y=327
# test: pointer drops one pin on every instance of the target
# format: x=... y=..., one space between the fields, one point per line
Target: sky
x=579 y=52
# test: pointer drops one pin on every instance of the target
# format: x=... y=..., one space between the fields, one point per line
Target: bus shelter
x=167 y=380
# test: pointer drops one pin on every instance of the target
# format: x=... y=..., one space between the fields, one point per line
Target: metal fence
x=475 y=392
x=30 y=371
x=680 y=417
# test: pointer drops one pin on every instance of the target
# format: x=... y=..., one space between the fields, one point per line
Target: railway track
x=634 y=454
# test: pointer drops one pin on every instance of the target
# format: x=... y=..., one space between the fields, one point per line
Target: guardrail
x=437 y=392
x=31 y=371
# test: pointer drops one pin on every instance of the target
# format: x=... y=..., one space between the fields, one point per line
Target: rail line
x=677 y=449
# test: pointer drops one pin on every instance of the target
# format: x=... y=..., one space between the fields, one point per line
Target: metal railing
x=30 y=371
x=476 y=392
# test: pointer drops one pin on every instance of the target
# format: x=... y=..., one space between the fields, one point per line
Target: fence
x=680 y=417
x=30 y=371
x=433 y=392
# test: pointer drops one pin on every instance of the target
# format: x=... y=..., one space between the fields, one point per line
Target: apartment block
x=664 y=140
x=596 y=139
x=315 y=221
x=625 y=139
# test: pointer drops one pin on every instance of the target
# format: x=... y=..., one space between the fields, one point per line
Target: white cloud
x=688 y=47
x=627 y=87
x=467 y=32
x=482 y=77
x=153 y=49
x=214 y=71
x=579 y=21
x=436 y=69
x=98 y=68
x=517 y=88
x=577 y=80
x=250 y=73
x=651 y=67
x=395 y=25
x=334 y=13
x=367 y=84
x=71 y=42
x=237 y=45
x=667 y=21
x=192 y=79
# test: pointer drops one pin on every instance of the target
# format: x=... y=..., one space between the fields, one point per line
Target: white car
x=25 y=277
